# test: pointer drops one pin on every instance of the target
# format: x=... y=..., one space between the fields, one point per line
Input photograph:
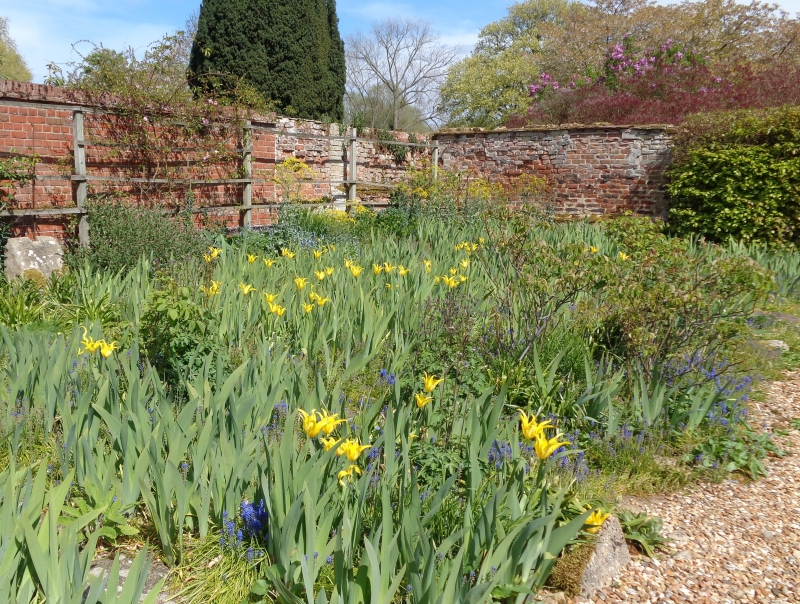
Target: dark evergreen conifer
x=289 y=50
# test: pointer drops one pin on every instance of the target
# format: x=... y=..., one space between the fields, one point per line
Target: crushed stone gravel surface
x=731 y=542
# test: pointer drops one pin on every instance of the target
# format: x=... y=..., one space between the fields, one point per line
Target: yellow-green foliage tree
x=12 y=65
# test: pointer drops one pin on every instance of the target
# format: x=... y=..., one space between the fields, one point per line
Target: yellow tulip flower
x=429 y=382
x=277 y=310
x=623 y=256
x=329 y=443
x=270 y=298
x=317 y=254
x=465 y=263
x=329 y=422
x=530 y=427
x=545 y=448
x=206 y=257
x=307 y=307
x=246 y=288
x=453 y=272
x=329 y=270
x=481 y=240
x=427 y=264
x=300 y=282
x=268 y=262
x=462 y=278
x=451 y=282
x=214 y=252
x=106 y=349
x=90 y=345
x=348 y=473
x=311 y=424
x=593 y=249
x=320 y=275
x=313 y=296
x=348 y=263
x=211 y=290
x=352 y=449
x=287 y=253
x=388 y=268
x=437 y=280
x=403 y=271
x=356 y=270
x=422 y=399
x=377 y=269
x=251 y=258
x=595 y=521
x=322 y=301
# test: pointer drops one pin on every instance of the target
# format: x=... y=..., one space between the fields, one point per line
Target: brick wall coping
x=554 y=128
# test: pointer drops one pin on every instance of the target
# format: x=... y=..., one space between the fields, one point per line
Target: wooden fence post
x=435 y=160
x=352 y=166
x=247 y=165
x=80 y=175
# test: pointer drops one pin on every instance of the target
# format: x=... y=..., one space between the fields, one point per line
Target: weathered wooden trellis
x=81 y=177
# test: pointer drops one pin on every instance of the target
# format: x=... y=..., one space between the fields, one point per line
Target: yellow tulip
x=329 y=270
x=377 y=269
x=422 y=399
x=251 y=258
x=106 y=349
x=388 y=268
x=311 y=425
x=211 y=290
x=246 y=288
x=313 y=296
x=317 y=254
x=429 y=382
x=333 y=247
x=595 y=521
x=352 y=449
x=481 y=240
x=465 y=263
x=206 y=257
x=308 y=307
x=300 y=282
x=215 y=252
x=286 y=253
x=90 y=345
x=356 y=270
x=437 y=280
x=268 y=262
x=270 y=298
x=329 y=422
x=348 y=263
x=320 y=275
x=545 y=448
x=623 y=256
x=277 y=310
x=451 y=282
x=530 y=427
x=593 y=249
x=329 y=443
x=348 y=473
x=322 y=301
x=427 y=264
x=403 y=271
x=453 y=272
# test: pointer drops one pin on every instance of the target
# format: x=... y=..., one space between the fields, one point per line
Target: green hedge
x=737 y=174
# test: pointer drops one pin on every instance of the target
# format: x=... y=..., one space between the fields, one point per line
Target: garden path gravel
x=731 y=542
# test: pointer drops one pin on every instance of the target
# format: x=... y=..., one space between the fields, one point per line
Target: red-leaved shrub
x=662 y=87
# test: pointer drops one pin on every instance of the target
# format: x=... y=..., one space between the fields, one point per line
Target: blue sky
x=46 y=29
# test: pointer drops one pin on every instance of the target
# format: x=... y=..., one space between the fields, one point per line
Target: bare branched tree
x=404 y=58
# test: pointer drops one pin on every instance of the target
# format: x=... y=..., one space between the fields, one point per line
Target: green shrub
x=737 y=174
x=120 y=233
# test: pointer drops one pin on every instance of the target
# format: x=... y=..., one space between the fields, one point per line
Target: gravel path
x=732 y=542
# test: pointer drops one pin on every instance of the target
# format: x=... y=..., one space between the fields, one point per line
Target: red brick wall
x=593 y=170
